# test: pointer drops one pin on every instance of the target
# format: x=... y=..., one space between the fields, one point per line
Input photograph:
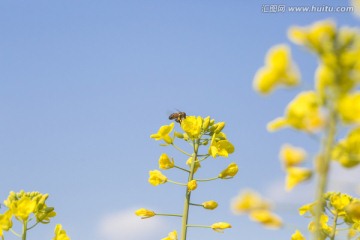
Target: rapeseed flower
x=157 y=178
x=163 y=133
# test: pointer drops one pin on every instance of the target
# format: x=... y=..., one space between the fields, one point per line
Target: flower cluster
x=258 y=209
x=339 y=209
x=27 y=208
x=199 y=133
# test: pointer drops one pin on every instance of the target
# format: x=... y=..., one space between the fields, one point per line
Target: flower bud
x=165 y=162
x=157 y=178
x=144 y=213
x=206 y=123
x=220 y=126
x=211 y=205
x=192 y=185
x=220 y=226
x=179 y=135
x=229 y=172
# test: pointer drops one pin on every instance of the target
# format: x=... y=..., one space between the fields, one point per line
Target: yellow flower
x=192 y=185
x=347 y=151
x=296 y=175
x=165 y=162
x=308 y=208
x=220 y=226
x=22 y=208
x=157 y=178
x=5 y=222
x=266 y=218
x=339 y=201
x=229 y=172
x=211 y=205
x=197 y=164
x=323 y=224
x=172 y=236
x=318 y=37
x=192 y=126
x=163 y=133
x=297 y=236
x=292 y=156
x=349 y=108
x=60 y=234
x=220 y=148
x=278 y=70
x=248 y=201
x=144 y=213
x=302 y=113
x=353 y=211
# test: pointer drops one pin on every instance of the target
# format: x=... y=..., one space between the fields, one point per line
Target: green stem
x=181 y=168
x=323 y=168
x=168 y=214
x=199 y=226
x=15 y=233
x=181 y=150
x=332 y=237
x=188 y=193
x=177 y=183
x=207 y=179
x=195 y=204
x=24 y=230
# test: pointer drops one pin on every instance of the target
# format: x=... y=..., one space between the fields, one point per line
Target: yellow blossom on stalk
x=229 y=172
x=292 y=156
x=278 y=70
x=220 y=226
x=197 y=163
x=323 y=224
x=163 y=133
x=318 y=37
x=349 y=108
x=192 y=126
x=220 y=148
x=308 y=208
x=144 y=213
x=157 y=178
x=165 y=162
x=172 y=236
x=5 y=222
x=22 y=208
x=296 y=175
x=192 y=185
x=211 y=205
x=353 y=211
x=339 y=201
x=248 y=201
x=297 y=236
x=347 y=151
x=60 y=234
x=302 y=113
x=266 y=218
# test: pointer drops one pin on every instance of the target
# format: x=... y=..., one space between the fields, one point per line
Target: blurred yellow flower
x=157 y=178
x=163 y=133
x=220 y=226
x=192 y=185
x=318 y=37
x=220 y=148
x=323 y=224
x=144 y=213
x=248 y=201
x=302 y=113
x=353 y=211
x=297 y=236
x=349 y=108
x=278 y=70
x=347 y=150
x=356 y=4
x=339 y=201
x=172 y=236
x=22 y=208
x=291 y=156
x=211 y=205
x=295 y=176
x=197 y=164
x=229 y=172
x=5 y=222
x=266 y=218
x=308 y=208
x=165 y=162
x=60 y=234
x=192 y=126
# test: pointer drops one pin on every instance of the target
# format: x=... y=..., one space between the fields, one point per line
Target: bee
x=178 y=116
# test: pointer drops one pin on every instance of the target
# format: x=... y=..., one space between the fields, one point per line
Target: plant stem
x=24 y=230
x=168 y=214
x=188 y=193
x=323 y=166
x=332 y=237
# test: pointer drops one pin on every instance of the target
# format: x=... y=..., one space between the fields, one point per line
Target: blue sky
x=84 y=83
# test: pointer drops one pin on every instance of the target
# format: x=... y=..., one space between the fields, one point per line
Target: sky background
x=83 y=84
